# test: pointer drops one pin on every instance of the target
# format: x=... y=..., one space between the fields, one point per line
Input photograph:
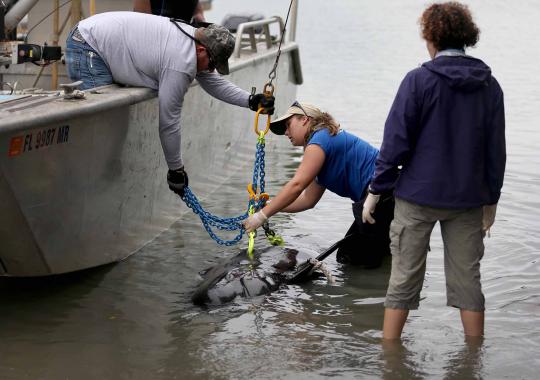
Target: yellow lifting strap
x=253 y=196
x=251 y=240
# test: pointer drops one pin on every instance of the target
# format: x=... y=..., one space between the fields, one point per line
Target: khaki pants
x=463 y=249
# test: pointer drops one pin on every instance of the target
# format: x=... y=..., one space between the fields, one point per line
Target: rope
x=272 y=74
x=320 y=265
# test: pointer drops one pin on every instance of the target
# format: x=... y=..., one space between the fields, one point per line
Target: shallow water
x=135 y=319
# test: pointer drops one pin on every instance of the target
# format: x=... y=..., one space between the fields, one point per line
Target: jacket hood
x=461 y=73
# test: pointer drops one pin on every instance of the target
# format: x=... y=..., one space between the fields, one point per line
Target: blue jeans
x=84 y=63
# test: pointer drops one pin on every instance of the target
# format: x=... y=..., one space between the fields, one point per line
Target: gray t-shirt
x=149 y=51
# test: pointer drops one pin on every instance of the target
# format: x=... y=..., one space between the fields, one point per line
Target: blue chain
x=230 y=224
x=258 y=173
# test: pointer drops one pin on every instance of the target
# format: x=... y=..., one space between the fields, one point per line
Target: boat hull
x=82 y=182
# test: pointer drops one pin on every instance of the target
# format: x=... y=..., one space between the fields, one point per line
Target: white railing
x=251 y=33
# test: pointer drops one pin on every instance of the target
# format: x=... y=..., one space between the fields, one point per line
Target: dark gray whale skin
x=239 y=276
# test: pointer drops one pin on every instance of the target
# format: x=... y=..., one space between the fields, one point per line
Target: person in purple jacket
x=444 y=152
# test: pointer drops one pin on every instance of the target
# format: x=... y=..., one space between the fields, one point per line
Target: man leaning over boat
x=151 y=51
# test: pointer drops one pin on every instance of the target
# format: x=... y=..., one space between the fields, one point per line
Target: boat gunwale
x=16 y=121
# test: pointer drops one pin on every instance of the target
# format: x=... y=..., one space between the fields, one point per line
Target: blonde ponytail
x=323 y=120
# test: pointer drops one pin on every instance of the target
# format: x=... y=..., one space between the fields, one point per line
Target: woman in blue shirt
x=340 y=162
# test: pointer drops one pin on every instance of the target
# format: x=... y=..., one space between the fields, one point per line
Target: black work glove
x=177 y=180
x=257 y=101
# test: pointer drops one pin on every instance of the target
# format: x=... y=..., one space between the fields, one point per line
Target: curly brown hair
x=449 y=26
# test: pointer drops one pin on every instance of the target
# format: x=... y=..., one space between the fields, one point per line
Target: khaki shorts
x=463 y=249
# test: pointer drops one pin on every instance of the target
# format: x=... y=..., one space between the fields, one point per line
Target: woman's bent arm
x=308 y=199
x=305 y=174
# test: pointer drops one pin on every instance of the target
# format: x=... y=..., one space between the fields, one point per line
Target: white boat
x=82 y=182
